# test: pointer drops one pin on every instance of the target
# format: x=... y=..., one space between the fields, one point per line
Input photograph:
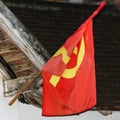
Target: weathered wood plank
x=8 y=51
x=4 y=73
x=12 y=86
x=20 y=64
x=6 y=45
x=25 y=72
x=14 y=57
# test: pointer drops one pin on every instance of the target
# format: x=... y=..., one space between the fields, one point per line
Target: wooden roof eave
x=29 y=48
x=22 y=37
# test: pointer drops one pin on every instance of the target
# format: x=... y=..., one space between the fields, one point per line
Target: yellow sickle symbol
x=69 y=73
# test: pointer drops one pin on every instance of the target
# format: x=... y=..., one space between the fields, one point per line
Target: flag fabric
x=69 y=83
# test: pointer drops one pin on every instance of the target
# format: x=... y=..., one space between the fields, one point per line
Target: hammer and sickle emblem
x=69 y=73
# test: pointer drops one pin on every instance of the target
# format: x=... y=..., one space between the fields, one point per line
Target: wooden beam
x=25 y=87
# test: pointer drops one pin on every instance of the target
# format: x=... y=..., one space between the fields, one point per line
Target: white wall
x=28 y=112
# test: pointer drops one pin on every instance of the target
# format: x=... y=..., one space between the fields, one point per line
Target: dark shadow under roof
x=53 y=23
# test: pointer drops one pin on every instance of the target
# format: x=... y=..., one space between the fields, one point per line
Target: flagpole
x=25 y=87
x=98 y=9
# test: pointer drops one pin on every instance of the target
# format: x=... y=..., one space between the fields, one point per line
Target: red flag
x=69 y=76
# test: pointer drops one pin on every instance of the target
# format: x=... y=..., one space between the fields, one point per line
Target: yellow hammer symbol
x=65 y=57
x=69 y=73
